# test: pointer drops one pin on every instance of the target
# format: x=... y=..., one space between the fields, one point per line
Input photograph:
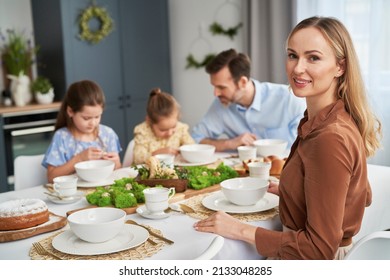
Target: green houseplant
x=17 y=52
x=43 y=90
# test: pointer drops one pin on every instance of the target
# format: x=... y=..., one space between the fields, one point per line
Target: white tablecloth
x=178 y=227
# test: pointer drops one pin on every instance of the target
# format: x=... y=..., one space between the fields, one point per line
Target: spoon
x=54 y=195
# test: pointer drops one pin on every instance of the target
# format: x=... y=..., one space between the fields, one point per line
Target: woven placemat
x=144 y=250
x=202 y=212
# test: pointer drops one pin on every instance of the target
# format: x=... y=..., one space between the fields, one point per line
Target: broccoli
x=104 y=200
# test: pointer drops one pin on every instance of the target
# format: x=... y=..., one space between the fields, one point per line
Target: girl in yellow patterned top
x=161 y=132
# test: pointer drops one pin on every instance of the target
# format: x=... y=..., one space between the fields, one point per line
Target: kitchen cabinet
x=127 y=64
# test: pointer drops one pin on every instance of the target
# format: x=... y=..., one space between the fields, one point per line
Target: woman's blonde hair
x=351 y=88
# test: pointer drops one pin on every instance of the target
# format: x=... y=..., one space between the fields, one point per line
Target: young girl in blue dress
x=79 y=136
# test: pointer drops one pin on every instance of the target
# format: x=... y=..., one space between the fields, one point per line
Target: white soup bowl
x=244 y=191
x=197 y=153
x=269 y=147
x=96 y=225
x=94 y=170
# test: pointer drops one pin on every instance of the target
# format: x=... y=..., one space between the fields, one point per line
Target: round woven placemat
x=202 y=212
x=138 y=253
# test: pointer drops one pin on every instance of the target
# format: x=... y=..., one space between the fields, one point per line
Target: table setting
x=157 y=227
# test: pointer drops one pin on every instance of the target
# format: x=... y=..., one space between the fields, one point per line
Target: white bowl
x=244 y=191
x=94 y=170
x=97 y=225
x=269 y=147
x=197 y=152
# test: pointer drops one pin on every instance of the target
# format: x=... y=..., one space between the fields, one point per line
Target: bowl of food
x=94 y=170
x=96 y=225
x=197 y=153
x=244 y=191
x=268 y=147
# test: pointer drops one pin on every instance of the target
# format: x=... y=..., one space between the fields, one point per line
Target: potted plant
x=17 y=55
x=43 y=90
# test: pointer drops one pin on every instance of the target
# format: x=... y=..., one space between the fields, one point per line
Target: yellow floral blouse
x=145 y=142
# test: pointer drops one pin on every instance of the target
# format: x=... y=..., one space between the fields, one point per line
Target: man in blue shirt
x=245 y=109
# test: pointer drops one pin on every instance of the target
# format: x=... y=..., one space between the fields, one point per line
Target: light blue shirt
x=64 y=146
x=274 y=113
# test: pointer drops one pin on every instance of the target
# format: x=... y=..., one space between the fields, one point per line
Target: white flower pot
x=45 y=98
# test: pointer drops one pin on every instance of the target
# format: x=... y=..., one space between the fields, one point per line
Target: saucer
x=67 y=199
x=144 y=212
x=217 y=201
x=129 y=237
x=180 y=161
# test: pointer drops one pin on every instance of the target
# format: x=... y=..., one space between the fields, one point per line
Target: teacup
x=246 y=152
x=259 y=169
x=166 y=159
x=156 y=199
x=65 y=185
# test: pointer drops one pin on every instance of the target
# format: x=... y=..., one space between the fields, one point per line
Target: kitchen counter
x=5 y=110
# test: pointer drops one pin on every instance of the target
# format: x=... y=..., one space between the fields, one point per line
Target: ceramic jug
x=20 y=89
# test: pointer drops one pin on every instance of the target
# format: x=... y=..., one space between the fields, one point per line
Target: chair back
x=374 y=246
x=213 y=249
x=29 y=172
x=129 y=155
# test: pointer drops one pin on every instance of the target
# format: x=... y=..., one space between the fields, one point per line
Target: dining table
x=176 y=226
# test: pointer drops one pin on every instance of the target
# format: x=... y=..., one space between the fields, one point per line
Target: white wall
x=189 y=26
x=8 y=20
x=189 y=31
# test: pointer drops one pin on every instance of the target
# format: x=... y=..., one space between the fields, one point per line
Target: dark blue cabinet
x=127 y=64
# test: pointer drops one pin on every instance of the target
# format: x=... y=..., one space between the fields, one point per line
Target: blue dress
x=64 y=146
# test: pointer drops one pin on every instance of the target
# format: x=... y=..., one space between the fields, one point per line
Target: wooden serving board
x=177 y=197
x=55 y=222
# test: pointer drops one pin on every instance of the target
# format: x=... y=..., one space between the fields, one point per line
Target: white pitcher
x=20 y=89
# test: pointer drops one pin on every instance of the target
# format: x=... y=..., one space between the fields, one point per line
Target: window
x=368 y=22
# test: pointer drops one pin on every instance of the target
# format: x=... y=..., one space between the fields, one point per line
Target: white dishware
x=94 y=170
x=129 y=237
x=217 y=201
x=196 y=153
x=97 y=225
x=180 y=161
x=166 y=159
x=259 y=169
x=65 y=185
x=244 y=191
x=115 y=175
x=156 y=199
x=268 y=147
x=66 y=200
x=246 y=152
x=144 y=212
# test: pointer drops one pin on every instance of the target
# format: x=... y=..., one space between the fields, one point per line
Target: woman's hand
x=227 y=226
x=273 y=188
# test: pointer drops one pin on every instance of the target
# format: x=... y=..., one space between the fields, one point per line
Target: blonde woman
x=323 y=187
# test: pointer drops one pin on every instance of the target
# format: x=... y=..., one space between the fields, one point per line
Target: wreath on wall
x=106 y=24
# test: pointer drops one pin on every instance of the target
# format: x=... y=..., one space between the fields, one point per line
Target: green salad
x=200 y=177
x=125 y=192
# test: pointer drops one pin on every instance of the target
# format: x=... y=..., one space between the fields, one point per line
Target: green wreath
x=217 y=29
x=193 y=63
x=106 y=24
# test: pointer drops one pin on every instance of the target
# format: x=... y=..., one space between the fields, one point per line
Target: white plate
x=66 y=200
x=116 y=174
x=144 y=212
x=129 y=237
x=217 y=201
x=179 y=161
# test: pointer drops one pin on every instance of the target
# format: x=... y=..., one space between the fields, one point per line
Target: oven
x=27 y=133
